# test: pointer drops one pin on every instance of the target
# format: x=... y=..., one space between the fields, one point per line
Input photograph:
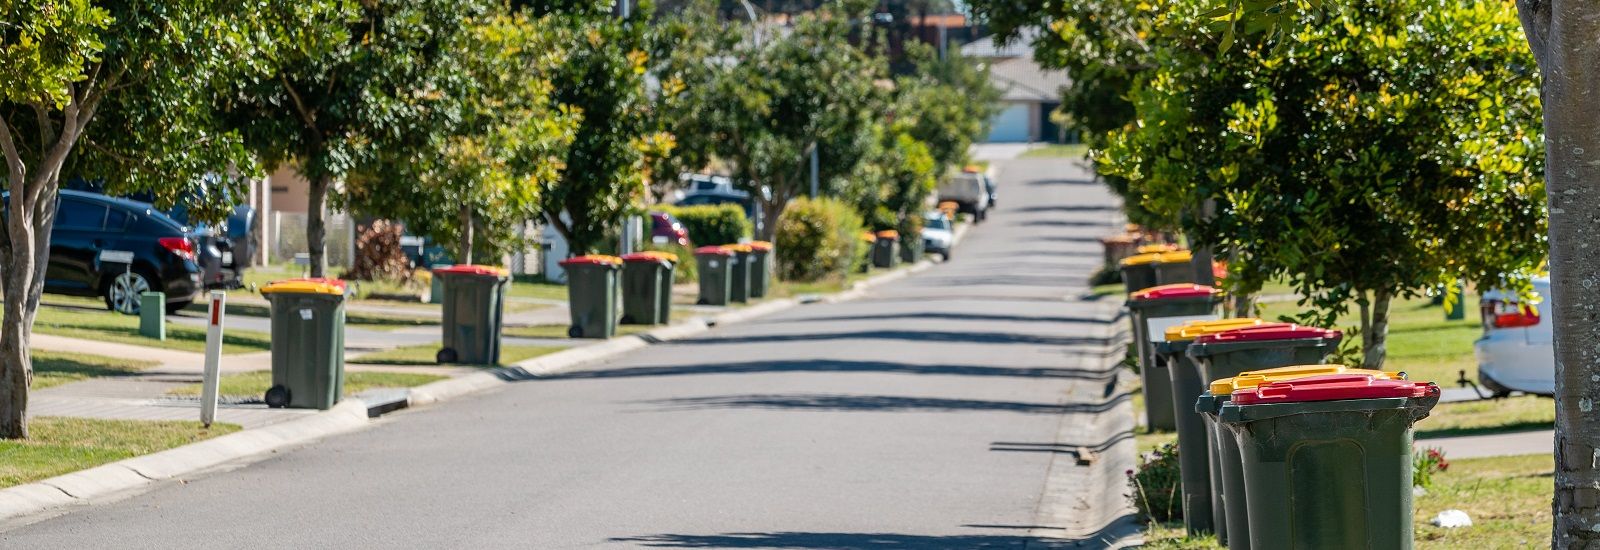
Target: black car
x=92 y=240
x=221 y=250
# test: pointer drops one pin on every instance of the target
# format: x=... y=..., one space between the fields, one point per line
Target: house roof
x=990 y=48
x=1024 y=80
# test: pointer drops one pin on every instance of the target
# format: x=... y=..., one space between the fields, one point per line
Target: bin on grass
x=886 y=249
x=647 y=287
x=592 y=295
x=739 y=272
x=712 y=264
x=1226 y=471
x=1175 y=267
x=1152 y=311
x=912 y=249
x=307 y=343
x=474 y=308
x=1194 y=461
x=869 y=241
x=760 y=268
x=1231 y=353
x=1327 y=459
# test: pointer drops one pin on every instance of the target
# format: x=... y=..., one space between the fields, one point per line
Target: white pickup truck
x=970 y=189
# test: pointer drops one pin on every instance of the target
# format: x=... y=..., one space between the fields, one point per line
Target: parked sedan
x=118 y=249
x=665 y=229
x=1517 y=349
x=937 y=234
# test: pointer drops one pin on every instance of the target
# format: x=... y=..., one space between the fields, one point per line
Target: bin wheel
x=575 y=332
x=278 y=397
x=626 y=320
x=446 y=356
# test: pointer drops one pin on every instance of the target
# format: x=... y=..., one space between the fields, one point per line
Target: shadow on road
x=1070 y=448
x=1061 y=182
x=825 y=540
x=1055 y=208
x=925 y=336
x=1061 y=223
x=943 y=316
x=878 y=403
x=825 y=365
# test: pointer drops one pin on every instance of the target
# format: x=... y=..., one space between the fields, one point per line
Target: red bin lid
x=1269 y=331
x=650 y=257
x=1182 y=290
x=592 y=259
x=1333 y=387
x=468 y=269
x=712 y=251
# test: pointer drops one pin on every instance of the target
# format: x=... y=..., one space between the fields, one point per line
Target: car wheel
x=122 y=295
x=1495 y=389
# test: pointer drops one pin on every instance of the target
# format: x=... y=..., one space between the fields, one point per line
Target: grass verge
x=1507 y=497
x=107 y=326
x=560 y=331
x=1057 y=150
x=534 y=286
x=425 y=355
x=56 y=368
x=254 y=384
x=1512 y=414
x=62 y=445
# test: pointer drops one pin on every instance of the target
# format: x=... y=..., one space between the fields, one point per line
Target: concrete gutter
x=124 y=477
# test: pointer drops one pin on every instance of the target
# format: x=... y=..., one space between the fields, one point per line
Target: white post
x=209 y=386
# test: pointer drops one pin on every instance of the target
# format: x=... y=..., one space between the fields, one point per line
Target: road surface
x=946 y=410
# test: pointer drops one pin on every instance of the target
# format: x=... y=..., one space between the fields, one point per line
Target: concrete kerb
x=84 y=486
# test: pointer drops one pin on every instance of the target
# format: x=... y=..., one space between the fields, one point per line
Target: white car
x=1517 y=350
x=937 y=234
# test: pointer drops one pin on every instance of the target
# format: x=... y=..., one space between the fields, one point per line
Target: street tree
x=602 y=80
x=470 y=170
x=353 y=80
x=120 y=93
x=1379 y=149
x=944 y=103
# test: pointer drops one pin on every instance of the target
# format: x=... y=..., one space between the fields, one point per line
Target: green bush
x=1155 y=485
x=712 y=224
x=817 y=239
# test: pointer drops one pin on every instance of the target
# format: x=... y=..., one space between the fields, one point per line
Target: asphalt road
x=928 y=414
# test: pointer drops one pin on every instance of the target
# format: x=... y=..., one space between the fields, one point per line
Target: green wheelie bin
x=1152 y=311
x=1175 y=267
x=886 y=249
x=307 y=343
x=760 y=268
x=474 y=308
x=1231 y=353
x=738 y=272
x=1227 y=473
x=647 y=287
x=592 y=295
x=712 y=263
x=1139 y=271
x=912 y=248
x=1194 y=461
x=1327 y=459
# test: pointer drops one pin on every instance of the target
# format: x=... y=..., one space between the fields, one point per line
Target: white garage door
x=1011 y=125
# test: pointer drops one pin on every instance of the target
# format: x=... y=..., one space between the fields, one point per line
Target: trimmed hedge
x=817 y=239
x=712 y=224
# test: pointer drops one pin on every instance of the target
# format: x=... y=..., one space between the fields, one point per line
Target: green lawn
x=1511 y=414
x=560 y=331
x=63 y=445
x=1056 y=150
x=57 y=368
x=1421 y=342
x=109 y=326
x=425 y=355
x=533 y=286
x=254 y=384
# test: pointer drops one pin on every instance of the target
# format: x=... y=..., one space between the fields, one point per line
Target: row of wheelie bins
x=636 y=289
x=1275 y=448
x=733 y=272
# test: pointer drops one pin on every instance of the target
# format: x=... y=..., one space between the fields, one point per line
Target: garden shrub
x=379 y=256
x=1156 y=485
x=712 y=224
x=817 y=239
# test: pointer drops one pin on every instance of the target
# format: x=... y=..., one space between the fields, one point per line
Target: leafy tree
x=602 y=79
x=354 y=79
x=471 y=169
x=765 y=106
x=894 y=184
x=944 y=103
x=1379 y=149
x=118 y=92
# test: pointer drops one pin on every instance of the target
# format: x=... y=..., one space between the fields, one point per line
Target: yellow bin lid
x=1175 y=257
x=1153 y=248
x=1251 y=379
x=1142 y=259
x=1194 y=329
x=306 y=286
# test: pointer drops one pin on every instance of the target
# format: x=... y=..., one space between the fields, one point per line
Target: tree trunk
x=1375 y=335
x=1244 y=304
x=25 y=253
x=466 y=234
x=1563 y=35
x=316 y=225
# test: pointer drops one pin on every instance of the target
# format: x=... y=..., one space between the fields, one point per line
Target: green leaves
x=44 y=46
